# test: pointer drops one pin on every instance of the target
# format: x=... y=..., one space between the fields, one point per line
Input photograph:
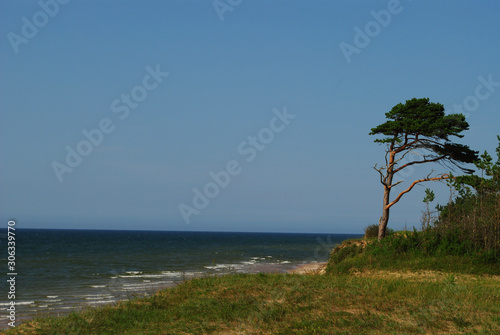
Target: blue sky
x=68 y=68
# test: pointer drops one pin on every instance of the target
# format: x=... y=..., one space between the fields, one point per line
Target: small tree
x=418 y=125
x=488 y=168
x=427 y=215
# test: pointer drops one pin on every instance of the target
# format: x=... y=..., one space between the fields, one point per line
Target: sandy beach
x=310 y=268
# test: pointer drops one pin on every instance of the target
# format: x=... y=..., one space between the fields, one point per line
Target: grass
x=375 y=302
x=353 y=259
x=414 y=251
x=408 y=284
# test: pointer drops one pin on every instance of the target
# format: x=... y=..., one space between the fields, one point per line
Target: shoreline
x=270 y=268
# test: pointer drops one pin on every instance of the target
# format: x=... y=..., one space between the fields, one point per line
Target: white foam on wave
x=133 y=272
x=164 y=274
x=249 y=262
x=52 y=296
x=145 y=276
x=85 y=296
x=18 y=303
x=97 y=286
x=224 y=267
x=141 y=286
x=98 y=302
x=99 y=297
x=174 y=273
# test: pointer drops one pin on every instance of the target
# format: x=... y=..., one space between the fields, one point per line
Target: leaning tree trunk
x=384 y=219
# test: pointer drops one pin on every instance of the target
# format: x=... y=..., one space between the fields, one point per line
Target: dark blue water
x=62 y=270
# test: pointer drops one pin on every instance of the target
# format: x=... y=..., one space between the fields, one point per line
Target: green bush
x=339 y=255
x=371 y=231
x=431 y=242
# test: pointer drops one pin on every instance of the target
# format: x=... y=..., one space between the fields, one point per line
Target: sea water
x=59 y=271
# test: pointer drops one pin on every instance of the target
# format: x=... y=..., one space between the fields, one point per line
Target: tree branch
x=399 y=182
x=444 y=176
x=406 y=145
x=419 y=162
x=404 y=155
x=386 y=153
x=379 y=170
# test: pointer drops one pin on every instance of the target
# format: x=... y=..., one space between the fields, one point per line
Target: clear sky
x=279 y=95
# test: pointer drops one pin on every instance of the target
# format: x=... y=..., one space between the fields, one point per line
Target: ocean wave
x=175 y=273
x=100 y=302
x=142 y=276
x=85 y=296
x=18 y=303
x=249 y=262
x=224 y=266
x=164 y=274
x=136 y=286
x=99 y=297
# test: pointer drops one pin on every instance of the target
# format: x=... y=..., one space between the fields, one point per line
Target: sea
x=59 y=271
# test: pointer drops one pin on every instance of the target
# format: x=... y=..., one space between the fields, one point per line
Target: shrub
x=349 y=251
x=371 y=231
x=431 y=242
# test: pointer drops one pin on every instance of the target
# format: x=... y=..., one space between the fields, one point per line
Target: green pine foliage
x=427 y=126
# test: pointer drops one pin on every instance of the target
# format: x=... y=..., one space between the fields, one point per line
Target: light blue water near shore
x=63 y=270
